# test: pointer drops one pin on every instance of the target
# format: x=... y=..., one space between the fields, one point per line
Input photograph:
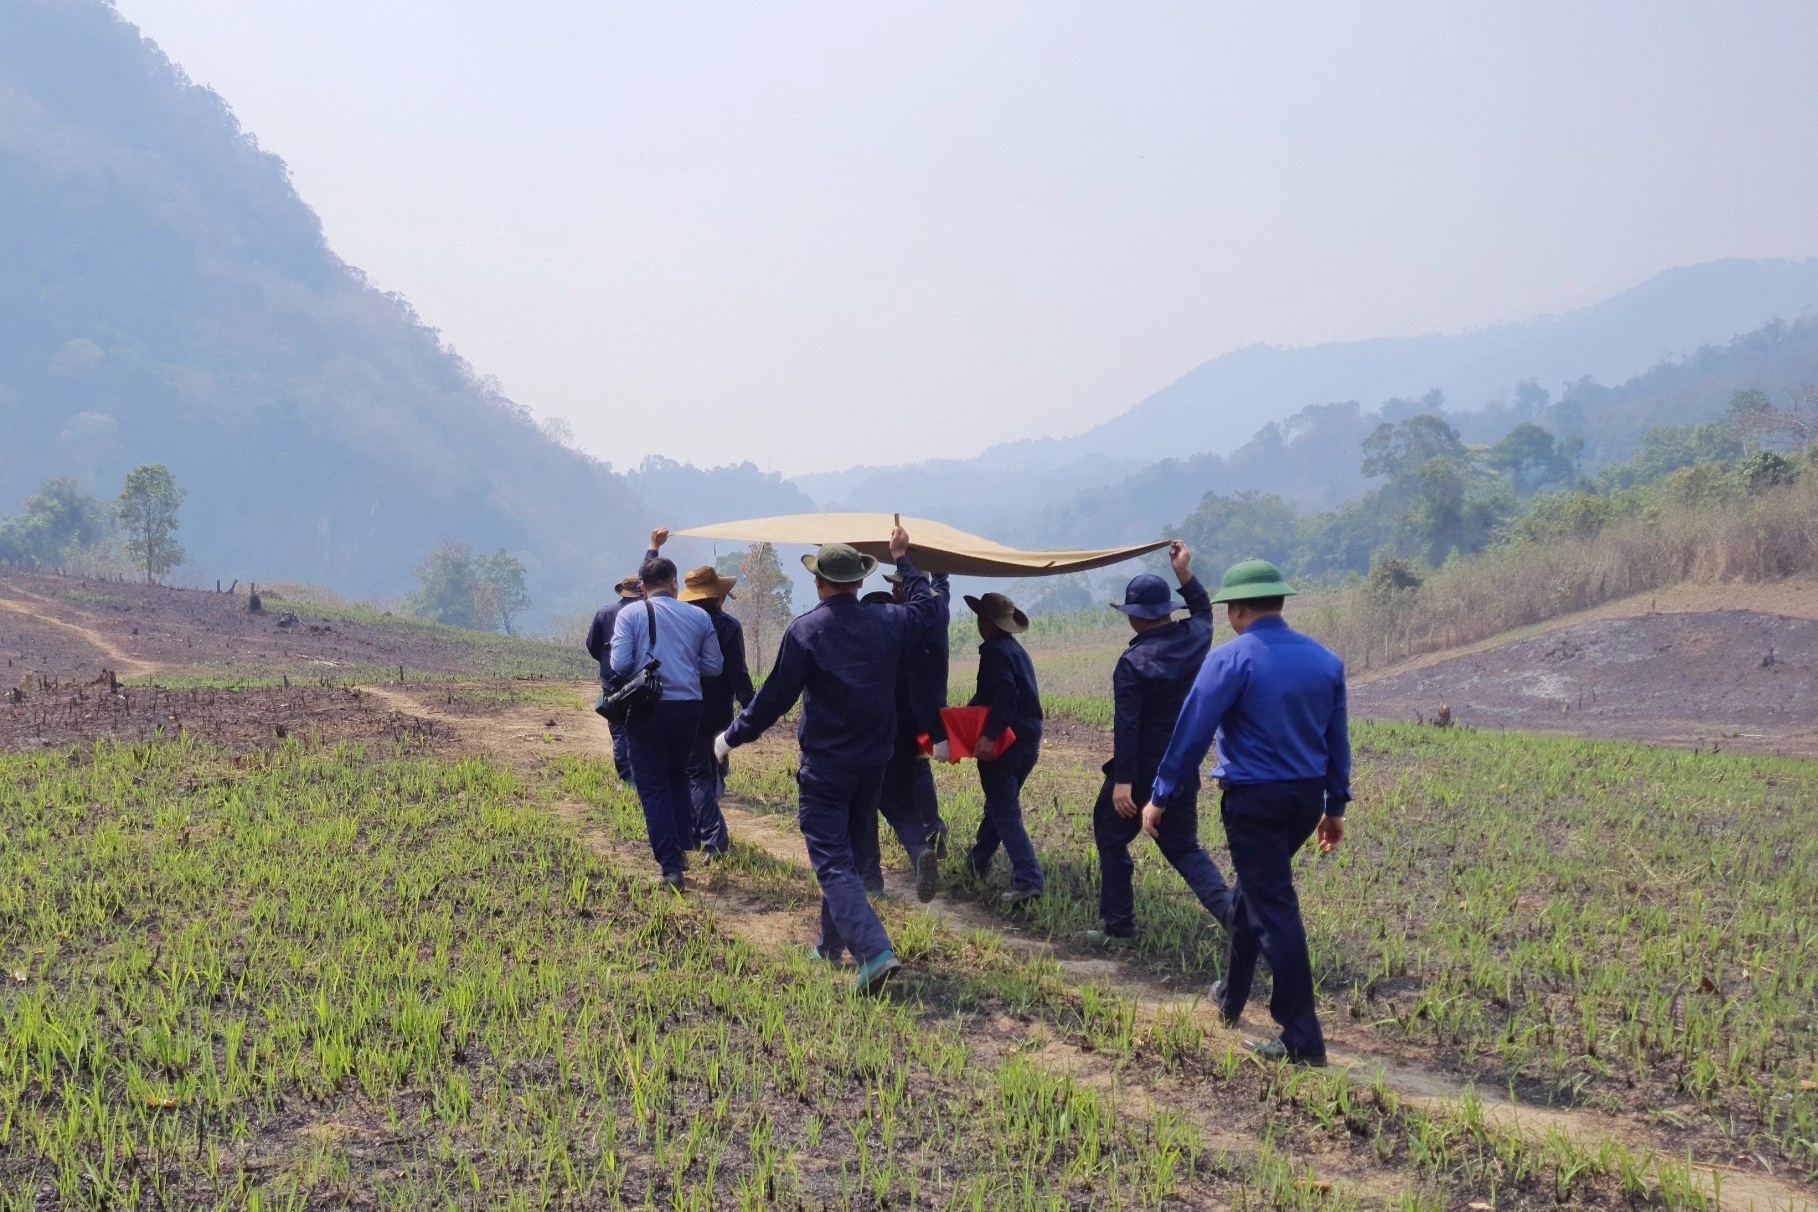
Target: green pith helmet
x=1252 y=579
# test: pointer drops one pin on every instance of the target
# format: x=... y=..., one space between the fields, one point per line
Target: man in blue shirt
x=707 y=589
x=1006 y=684
x=1275 y=699
x=662 y=735
x=599 y=640
x=841 y=660
x=1149 y=685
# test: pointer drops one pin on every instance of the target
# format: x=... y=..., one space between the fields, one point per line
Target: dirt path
x=125 y=664
x=528 y=733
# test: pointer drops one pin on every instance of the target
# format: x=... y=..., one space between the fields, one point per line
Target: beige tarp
x=933 y=546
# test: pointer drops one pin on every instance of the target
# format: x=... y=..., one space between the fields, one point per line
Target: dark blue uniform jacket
x=841 y=660
x=734 y=682
x=1150 y=683
x=1006 y=684
x=599 y=636
x=921 y=682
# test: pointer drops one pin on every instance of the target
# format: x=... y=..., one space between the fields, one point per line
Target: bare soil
x=1734 y=678
x=68 y=627
x=45 y=715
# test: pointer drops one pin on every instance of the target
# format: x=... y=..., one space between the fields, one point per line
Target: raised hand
x=899 y=542
x=1181 y=557
x=658 y=537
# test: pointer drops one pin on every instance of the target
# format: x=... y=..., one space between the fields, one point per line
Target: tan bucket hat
x=705 y=582
x=1000 y=611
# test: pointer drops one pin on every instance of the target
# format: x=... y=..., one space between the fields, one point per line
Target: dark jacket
x=734 y=682
x=841 y=660
x=1006 y=684
x=599 y=635
x=921 y=681
x=1150 y=683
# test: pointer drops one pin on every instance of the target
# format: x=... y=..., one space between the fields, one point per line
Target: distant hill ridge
x=1215 y=409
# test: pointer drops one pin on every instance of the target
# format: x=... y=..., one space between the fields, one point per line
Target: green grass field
x=339 y=976
x=1582 y=922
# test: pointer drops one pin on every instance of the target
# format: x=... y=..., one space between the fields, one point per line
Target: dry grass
x=1758 y=539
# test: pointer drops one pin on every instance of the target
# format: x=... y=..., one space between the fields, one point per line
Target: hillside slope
x=165 y=296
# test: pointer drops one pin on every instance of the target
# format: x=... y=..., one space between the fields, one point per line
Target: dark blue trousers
x=660 y=739
x=907 y=800
x=1178 y=840
x=838 y=813
x=1266 y=824
x=621 y=750
x=1002 y=779
x=705 y=786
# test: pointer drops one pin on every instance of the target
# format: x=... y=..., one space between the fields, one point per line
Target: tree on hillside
x=500 y=588
x=1533 y=460
x=447 y=587
x=147 y=510
x=58 y=520
x=1247 y=525
x=1755 y=419
x=459 y=588
x=763 y=602
x=1399 y=450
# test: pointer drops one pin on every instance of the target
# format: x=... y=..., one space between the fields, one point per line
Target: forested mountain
x=1215 y=409
x=166 y=297
x=1314 y=459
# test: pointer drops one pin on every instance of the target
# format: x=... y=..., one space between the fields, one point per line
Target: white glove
x=942 y=751
x=721 y=750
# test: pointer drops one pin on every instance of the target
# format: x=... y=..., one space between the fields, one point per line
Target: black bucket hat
x=1000 y=611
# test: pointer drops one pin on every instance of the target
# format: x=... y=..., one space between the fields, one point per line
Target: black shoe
x=927 y=875
x=676 y=880
x=1275 y=1050
x=874 y=885
x=1019 y=896
x=1227 y=1016
x=937 y=837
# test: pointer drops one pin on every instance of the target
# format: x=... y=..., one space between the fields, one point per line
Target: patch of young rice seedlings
x=1583 y=922
x=424 y=967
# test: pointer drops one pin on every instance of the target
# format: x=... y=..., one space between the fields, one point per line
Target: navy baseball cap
x=1147 y=597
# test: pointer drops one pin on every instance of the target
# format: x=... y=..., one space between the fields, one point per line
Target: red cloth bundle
x=964 y=727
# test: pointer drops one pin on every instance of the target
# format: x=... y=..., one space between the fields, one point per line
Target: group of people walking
x=871 y=676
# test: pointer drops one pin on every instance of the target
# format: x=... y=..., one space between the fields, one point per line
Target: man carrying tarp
x=841 y=660
x=1150 y=683
x=1006 y=685
x=908 y=799
x=1275 y=700
x=707 y=589
x=599 y=641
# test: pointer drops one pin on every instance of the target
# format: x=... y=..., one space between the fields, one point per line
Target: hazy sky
x=811 y=235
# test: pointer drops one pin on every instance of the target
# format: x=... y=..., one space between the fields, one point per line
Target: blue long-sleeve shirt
x=1151 y=681
x=1275 y=699
x=1006 y=684
x=841 y=660
x=686 y=644
x=734 y=680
